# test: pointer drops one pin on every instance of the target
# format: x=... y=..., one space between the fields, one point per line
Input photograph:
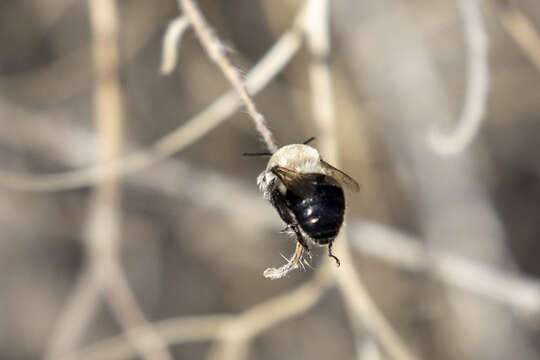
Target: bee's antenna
x=309 y=140
x=257 y=154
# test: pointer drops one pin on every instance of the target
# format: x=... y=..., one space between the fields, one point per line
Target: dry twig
x=186 y=134
x=476 y=92
x=214 y=49
x=223 y=328
x=364 y=310
x=367 y=237
x=75 y=316
x=173 y=331
x=523 y=33
x=402 y=250
x=233 y=333
x=104 y=272
x=171 y=42
x=234 y=337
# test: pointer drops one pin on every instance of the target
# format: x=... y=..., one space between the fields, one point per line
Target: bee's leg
x=330 y=244
x=301 y=239
x=287 y=229
x=278 y=201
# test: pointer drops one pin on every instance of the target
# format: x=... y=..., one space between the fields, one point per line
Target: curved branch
x=186 y=134
x=250 y=323
x=172 y=331
x=214 y=49
x=523 y=33
x=477 y=87
x=364 y=312
x=171 y=42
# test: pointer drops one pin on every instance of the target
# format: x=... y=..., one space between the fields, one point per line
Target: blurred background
x=445 y=241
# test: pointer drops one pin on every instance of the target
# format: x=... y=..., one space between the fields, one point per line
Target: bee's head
x=299 y=157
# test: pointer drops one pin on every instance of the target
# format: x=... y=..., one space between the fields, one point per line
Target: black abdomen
x=319 y=212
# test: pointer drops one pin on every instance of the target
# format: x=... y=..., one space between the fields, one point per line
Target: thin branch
x=322 y=97
x=127 y=311
x=192 y=130
x=75 y=316
x=214 y=49
x=105 y=230
x=370 y=238
x=401 y=76
x=226 y=329
x=367 y=349
x=376 y=240
x=476 y=92
x=104 y=235
x=364 y=312
x=523 y=33
x=323 y=108
x=70 y=72
x=235 y=336
x=203 y=187
x=390 y=245
x=373 y=239
x=171 y=44
x=173 y=331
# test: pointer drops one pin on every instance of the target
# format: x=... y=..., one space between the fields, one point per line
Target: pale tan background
x=197 y=235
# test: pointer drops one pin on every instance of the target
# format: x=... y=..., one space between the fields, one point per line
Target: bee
x=307 y=193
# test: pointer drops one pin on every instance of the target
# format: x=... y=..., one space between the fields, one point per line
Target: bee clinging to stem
x=308 y=196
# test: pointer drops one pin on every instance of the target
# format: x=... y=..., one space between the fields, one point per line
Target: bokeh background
x=196 y=234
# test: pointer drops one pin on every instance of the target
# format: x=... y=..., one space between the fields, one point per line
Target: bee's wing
x=299 y=183
x=341 y=177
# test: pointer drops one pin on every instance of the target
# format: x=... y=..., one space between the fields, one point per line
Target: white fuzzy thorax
x=298 y=157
